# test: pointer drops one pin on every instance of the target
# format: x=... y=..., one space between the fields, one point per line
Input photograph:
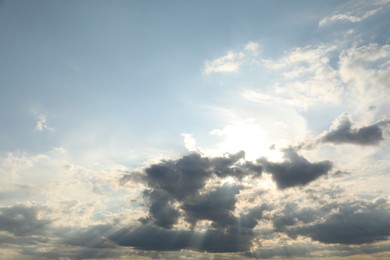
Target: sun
x=247 y=136
x=228 y=181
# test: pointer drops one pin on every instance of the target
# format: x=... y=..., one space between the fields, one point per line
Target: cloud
x=41 y=123
x=186 y=192
x=366 y=72
x=22 y=221
x=190 y=143
x=225 y=64
x=155 y=238
x=252 y=47
x=352 y=222
x=306 y=77
x=348 y=17
x=341 y=132
x=216 y=206
x=91 y=237
x=295 y=170
x=235 y=238
x=182 y=179
x=355 y=12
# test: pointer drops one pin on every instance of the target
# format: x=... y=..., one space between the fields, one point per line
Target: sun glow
x=248 y=136
x=228 y=181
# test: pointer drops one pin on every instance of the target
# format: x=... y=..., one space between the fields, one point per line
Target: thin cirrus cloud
x=348 y=17
x=355 y=12
x=231 y=61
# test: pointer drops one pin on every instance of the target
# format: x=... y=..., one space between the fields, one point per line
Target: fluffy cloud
x=182 y=180
x=295 y=170
x=190 y=189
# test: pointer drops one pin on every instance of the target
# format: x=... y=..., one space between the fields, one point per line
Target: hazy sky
x=200 y=129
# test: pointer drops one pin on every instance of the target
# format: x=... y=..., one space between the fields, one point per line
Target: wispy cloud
x=252 y=47
x=359 y=14
x=347 y=18
x=226 y=64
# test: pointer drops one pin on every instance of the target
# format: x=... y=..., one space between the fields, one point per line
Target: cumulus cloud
x=190 y=143
x=295 y=170
x=190 y=189
x=341 y=131
x=182 y=180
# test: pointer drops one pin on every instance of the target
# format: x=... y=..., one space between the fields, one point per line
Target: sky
x=194 y=129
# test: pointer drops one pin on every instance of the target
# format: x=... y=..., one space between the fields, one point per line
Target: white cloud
x=74 y=195
x=190 y=143
x=41 y=123
x=311 y=56
x=348 y=17
x=252 y=47
x=307 y=77
x=366 y=72
x=226 y=64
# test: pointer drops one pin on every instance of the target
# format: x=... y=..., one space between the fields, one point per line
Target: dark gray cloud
x=292 y=215
x=151 y=237
x=216 y=206
x=295 y=170
x=182 y=180
x=22 y=221
x=161 y=212
x=343 y=132
x=356 y=222
x=91 y=237
x=353 y=223
x=177 y=191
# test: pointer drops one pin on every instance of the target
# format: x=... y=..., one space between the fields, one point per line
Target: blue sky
x=97 y=98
